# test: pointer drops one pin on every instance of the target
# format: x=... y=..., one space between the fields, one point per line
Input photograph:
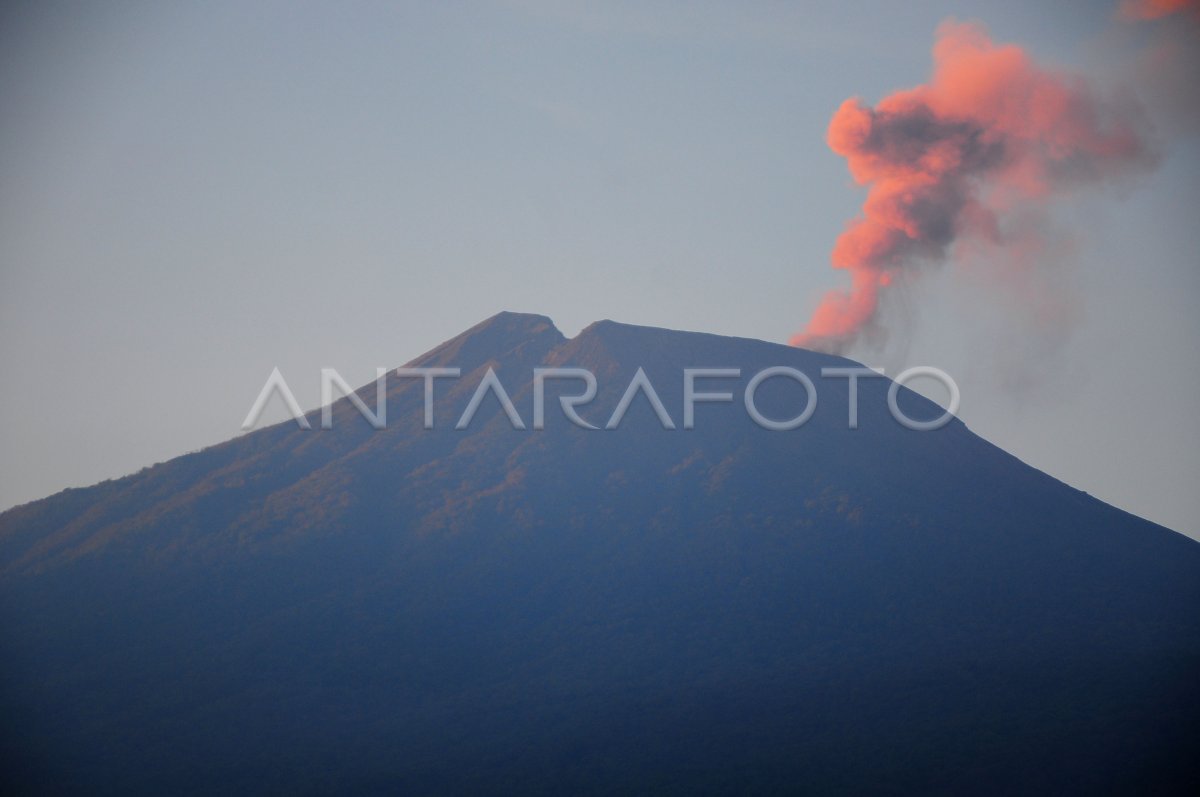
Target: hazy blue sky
x=192 y=194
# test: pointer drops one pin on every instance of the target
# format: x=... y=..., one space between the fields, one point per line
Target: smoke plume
x=1155 y=9
x=971 y=157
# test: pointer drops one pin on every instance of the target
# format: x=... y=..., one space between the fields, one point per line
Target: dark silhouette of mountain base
x=724 y=609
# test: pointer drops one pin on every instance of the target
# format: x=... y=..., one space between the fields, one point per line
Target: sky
x=194 y=194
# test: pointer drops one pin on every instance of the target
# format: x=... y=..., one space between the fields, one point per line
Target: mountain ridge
x=533 y=339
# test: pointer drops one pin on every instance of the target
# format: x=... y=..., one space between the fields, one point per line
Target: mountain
x=722 y=609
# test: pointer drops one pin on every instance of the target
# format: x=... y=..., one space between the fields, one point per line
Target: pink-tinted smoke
x=1155 y=9
x=990 y=135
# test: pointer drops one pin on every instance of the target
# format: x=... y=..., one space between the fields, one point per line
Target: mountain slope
x=491 y=610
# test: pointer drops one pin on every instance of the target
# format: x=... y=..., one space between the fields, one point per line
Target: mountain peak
x=510 y=320
x=512 y=327
x=494 y=337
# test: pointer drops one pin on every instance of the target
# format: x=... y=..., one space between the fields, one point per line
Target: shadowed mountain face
x=721 y=609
